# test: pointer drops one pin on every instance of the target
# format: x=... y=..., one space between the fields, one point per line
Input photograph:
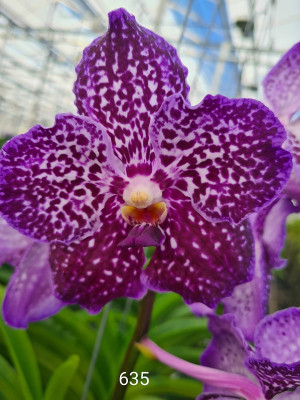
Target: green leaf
x=182 y=387
x=61 y=378
x=178 y=329
x=9 y=381
x=24 y=360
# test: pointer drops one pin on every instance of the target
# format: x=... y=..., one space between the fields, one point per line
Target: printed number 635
x=134 y=378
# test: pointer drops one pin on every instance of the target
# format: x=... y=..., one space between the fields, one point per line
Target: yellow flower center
x=154 y=214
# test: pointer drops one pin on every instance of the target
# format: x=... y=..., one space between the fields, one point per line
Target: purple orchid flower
x=29 y=295
x=142 y=167
x=231 y=368
x=248 y=301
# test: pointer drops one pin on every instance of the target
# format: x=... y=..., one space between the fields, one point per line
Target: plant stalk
x=132 y=353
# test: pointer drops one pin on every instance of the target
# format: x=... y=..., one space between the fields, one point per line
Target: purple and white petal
x=274 y=230
x=225 y=154
x=29 y=296
x=13 y=245
x=295 y=395
x=248 y=302
x=201 y=261
x=274 y=378
x=144 y=235
x=276 y=362
x=282 y=84
x=292 y=189
x=277 y=336
x=54 y=181
x=122 y=80
x=94 y=271
x=227 y=349
x=201 y=309
x=293 y=139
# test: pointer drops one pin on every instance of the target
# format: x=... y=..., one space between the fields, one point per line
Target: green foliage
x=60 y=380
x=285 y=290
x=50 y=360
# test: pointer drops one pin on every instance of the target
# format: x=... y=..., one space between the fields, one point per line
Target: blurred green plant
x=286 y=282
x=51 y=359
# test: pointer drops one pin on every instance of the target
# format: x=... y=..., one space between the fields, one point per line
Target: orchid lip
x=153 y=215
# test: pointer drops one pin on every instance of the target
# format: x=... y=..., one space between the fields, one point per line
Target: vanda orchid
x=140 y=167
x=248 y=301
x=232 y=369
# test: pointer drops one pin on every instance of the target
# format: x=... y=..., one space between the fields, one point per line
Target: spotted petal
x=292 y=189
x=225 y=154
x=201 y=261
x=95 y=270
x=13 y=245
x=144 y=235
x=54 y=181
x=122 y=80
x=228 y=348
x=282 y=84
x=248 y=302
x=29 y=296
x=295 y=395
x=226 y=351
x=277 y=360
x=274 y=230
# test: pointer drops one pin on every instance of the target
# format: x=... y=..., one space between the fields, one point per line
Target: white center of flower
x=141 y=192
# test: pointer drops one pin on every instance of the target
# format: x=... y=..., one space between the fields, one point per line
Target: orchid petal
x=227 y=349
x=122 y=80
x=13 y=245
x=248 y=302
x=277 y=336
x=54 y=181
x=29 y=295
x=274 y=231
x=292 y=189
x=282 y=84
x=95 y=270
x=295 y=395
x=276 y=362
x=201 y=261
x=201 y=309
x=144 y=236
x=225 y=154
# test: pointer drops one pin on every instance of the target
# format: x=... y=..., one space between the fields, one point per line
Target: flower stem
x=132 y=353
x=95 y=351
